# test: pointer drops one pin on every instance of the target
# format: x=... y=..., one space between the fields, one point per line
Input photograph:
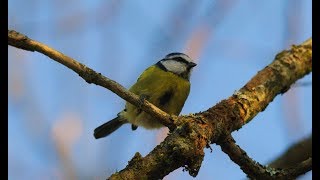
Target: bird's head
x=177 y=63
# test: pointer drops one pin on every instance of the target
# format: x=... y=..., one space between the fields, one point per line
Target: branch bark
x=184 y=146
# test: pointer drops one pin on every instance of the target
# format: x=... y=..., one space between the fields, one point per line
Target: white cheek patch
x=175 y=66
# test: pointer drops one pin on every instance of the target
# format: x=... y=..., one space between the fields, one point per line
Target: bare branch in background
x=184 y=147
x=295 y=154
x=296 y=170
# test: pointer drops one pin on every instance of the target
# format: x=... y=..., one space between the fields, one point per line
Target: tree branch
x=21 y=41
x=276 y=78
x=184 y=147
x=257 y=171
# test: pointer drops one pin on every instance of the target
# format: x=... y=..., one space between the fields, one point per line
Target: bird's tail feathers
x=108 y=127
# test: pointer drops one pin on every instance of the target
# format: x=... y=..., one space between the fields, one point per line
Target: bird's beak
x=191 y=64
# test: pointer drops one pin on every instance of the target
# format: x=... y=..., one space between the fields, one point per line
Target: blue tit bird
x=165 y=84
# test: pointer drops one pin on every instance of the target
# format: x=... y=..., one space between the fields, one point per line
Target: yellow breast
x=164 y=89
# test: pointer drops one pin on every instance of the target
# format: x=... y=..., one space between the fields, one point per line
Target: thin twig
x=254 y=170
x=239 y=156
x=21 y=41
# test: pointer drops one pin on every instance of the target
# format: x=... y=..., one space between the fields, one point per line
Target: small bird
x=165 y=84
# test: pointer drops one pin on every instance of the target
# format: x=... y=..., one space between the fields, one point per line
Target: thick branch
x=276 y=78
x=257 y=171
x=174 y=152
x=184 y=146
x=21 y=41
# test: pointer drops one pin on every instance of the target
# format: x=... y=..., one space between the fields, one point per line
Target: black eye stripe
x=180 y=59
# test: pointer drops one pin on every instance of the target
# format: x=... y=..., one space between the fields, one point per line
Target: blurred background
x=53 y=112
